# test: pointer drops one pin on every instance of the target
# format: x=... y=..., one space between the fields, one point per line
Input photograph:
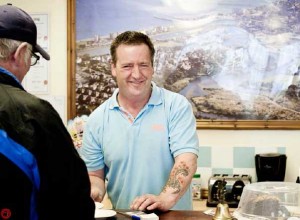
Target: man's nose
x=135 y=72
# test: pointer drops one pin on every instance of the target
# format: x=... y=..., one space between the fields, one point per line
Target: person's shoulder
x=102 y=108
x=42 y=110
x=99 y=112
x=31 y=107
x=170 y=96
x=29 y=101
x=39 y=103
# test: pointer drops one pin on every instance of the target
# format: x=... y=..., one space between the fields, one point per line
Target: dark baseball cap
x=16 y=24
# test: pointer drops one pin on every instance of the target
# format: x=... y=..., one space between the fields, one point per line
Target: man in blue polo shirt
x=143 y=139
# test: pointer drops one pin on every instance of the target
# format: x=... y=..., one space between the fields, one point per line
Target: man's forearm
x=97 y=185
x=179 y=180
x=180 y=177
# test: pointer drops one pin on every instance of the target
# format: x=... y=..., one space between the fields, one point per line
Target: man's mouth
x=136 y=82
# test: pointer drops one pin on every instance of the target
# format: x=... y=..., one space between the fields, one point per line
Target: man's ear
x=20 y=53
x=113 y=69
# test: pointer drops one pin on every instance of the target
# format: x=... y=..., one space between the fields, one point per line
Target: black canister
x=270 y=167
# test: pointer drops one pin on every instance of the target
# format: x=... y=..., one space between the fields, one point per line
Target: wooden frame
x=71 y=10
x=201 y=124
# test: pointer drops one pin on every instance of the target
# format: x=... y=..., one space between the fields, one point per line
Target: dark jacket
x=32 y=122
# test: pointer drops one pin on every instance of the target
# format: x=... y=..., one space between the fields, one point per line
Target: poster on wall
x=233 y=60
x=37 y=79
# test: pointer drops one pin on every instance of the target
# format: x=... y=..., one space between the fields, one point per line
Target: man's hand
x=150 y=202
x=96 y=194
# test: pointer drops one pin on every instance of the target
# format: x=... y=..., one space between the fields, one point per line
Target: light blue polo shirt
x=138 y=155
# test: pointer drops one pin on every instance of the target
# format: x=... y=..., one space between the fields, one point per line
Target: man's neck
x=134 y=105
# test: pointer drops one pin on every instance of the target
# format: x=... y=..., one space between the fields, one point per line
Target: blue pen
x=135 y=217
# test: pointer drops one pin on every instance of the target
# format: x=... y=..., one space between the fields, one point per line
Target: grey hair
x=9 y=46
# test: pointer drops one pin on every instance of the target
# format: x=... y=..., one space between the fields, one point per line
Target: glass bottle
x=196 y=187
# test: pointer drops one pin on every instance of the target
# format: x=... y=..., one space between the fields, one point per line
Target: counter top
x=198 y=205
x=170 y=215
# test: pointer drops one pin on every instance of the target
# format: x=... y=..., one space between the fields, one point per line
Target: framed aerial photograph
x=237 y=62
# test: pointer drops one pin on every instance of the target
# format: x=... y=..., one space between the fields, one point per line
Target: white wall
x=57 y=11
x=57 y=16
x=290 y=139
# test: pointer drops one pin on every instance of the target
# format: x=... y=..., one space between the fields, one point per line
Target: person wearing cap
x=64 y=191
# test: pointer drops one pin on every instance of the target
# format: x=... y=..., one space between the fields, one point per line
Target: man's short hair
x=131 y=38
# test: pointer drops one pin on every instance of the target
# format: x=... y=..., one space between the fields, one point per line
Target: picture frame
x=235 y=77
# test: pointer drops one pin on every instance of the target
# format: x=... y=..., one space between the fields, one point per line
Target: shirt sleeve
x=91 y=149
x=182 y=127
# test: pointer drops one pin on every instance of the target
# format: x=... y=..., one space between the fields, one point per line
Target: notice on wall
x=37 y=79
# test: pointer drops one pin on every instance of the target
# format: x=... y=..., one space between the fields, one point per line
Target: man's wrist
x=93 y=174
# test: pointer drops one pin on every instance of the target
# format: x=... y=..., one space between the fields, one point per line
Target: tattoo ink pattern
x=176 y=177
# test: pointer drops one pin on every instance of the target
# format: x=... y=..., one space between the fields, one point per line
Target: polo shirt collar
x=155 y=98
x=113 y=101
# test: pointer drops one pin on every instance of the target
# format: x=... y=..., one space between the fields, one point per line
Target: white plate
x=103 y=213
x=98 y=205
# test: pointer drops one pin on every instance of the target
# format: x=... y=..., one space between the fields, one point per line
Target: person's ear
x=20 y=53
x=113 y=69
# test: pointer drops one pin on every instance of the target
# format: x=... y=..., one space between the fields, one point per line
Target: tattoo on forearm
x=176 y=177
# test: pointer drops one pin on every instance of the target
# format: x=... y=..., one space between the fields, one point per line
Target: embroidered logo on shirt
x=157 y=127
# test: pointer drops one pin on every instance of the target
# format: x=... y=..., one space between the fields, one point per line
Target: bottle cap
x=196 y=175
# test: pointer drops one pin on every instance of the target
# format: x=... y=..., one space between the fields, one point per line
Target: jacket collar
x=8 y=78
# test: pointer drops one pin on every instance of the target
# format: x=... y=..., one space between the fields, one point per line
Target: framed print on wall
x=237 y=62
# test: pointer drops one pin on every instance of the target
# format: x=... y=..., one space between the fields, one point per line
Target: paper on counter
x=142 y=215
